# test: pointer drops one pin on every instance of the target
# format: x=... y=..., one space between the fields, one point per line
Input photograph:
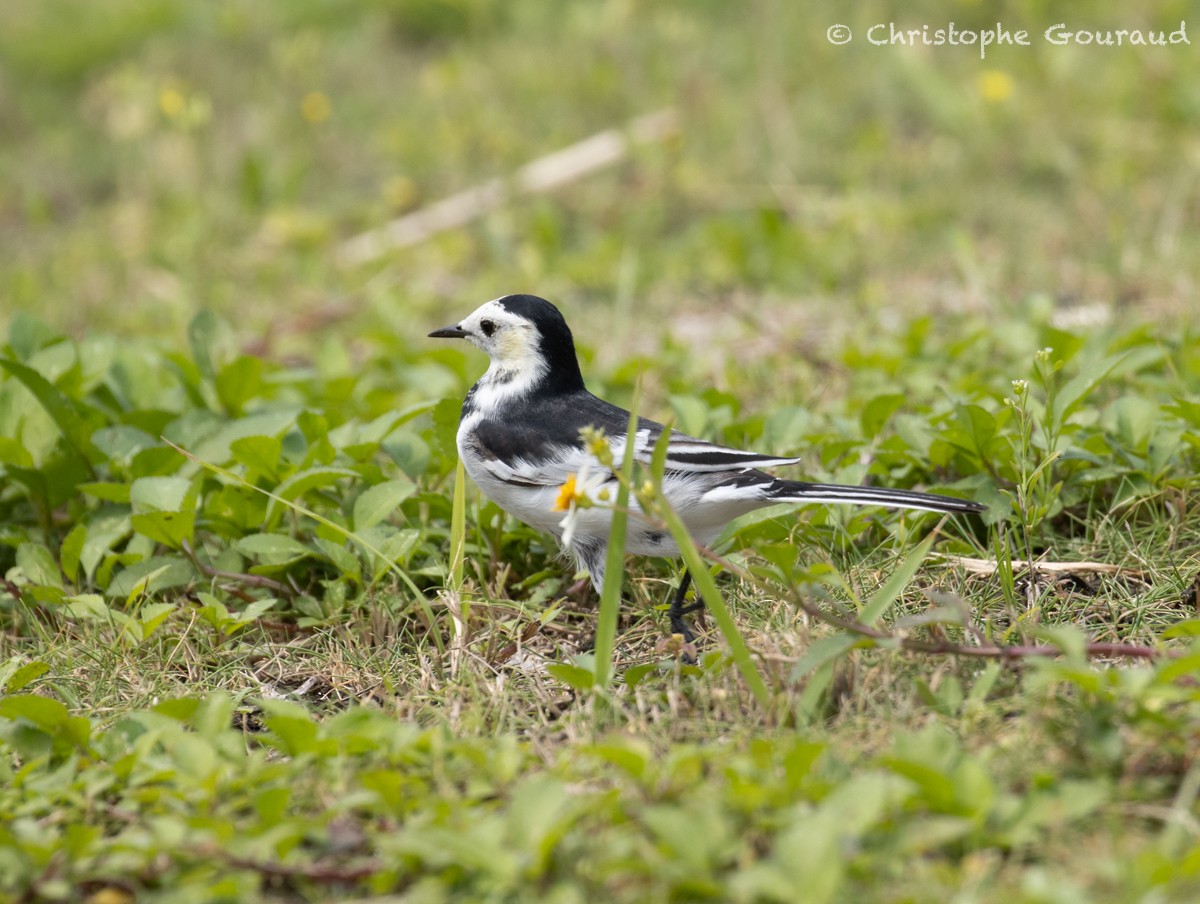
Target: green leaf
x=141 y=587
x=879 y=410
x=376 y=503
x=272 y=549
x=238 y=383
x=106 y=490
x=13 y=452
x=152 y=575
x=41 y=711
x=90 y=607
x=824 y=650
x=1188 y=628
x=22 y=676
x=978 y=425
x=573 y=676
x=169 y=528
x=300 y=484
x=159 y=494
x=260 y=455
x=62 y=410
x=343 y=559
x=293 y=731
x=446 y=415
x=38 y=565
x=121 y=442
x=1070 y=640
x=691 y=414
x=394 y=550
x=72 y=547
x=458 y=529
x=152 y=616
x=202 y=335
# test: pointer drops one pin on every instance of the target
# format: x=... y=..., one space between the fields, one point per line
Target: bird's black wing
x=540 y=443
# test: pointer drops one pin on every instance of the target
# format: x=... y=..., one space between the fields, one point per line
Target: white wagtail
x=520 y=440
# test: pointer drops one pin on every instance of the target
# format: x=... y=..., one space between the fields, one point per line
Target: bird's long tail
x=798 y=491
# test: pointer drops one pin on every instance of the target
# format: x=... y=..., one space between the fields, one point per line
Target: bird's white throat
x=508 y=378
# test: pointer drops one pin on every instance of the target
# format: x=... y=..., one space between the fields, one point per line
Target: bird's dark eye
x=487 y=326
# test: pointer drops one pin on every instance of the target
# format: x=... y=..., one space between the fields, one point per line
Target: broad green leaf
x=13 y=452
x=1188 y=628
x=22 y=676
x=38 y=565
x=296 y=486
x=691 y=414
x=121 y=442
x=824 y=650
x=978 y=425
x=159 y=494
x=260 y=455
x=376 y=503
x=168 y=528
x=573 y=676
x=239 y=382
x=153 y=615
x=343 y=559
x=446 y=415
x=151 y=575
x=141 y=586
x=216 y=446
x=1070 y=640
x=43 y=712
x=395 y=550
x=88 y=606
x=1133 y=420
x=879 y=410
x=272 y=549
x=202 y=336
x=72 y=547
x=63 y=411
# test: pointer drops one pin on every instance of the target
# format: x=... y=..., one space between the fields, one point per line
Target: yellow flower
x=996 y=85
x=567 y=495
x=316 y=106
x=171 y=101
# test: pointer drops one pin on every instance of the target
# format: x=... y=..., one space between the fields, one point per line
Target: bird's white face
x=508 y=339
x=513 y=344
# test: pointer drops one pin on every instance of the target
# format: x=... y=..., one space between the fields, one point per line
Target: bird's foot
x=678 y=647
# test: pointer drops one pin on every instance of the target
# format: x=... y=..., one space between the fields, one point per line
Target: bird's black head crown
x=554 y=340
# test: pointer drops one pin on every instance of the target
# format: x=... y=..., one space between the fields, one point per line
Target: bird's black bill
x=448 y=332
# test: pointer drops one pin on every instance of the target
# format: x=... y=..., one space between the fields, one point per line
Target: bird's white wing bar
x=684 y=453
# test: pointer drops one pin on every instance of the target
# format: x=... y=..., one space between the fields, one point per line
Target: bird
x=521 y=440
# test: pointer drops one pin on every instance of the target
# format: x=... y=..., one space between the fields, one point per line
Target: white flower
x=574 y=495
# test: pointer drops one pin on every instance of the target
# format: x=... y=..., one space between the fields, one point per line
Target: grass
x=242 y=658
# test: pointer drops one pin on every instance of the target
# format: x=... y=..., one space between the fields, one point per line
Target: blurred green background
x=163 y=156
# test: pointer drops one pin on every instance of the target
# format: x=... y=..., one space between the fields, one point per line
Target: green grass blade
x=614 y=566
x=458 y=529
x=887 y=595
x=707 y=588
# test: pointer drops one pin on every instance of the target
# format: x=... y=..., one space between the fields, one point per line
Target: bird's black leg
x=678 y=611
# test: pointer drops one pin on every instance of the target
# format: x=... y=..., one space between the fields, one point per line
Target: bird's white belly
x=535 y=505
